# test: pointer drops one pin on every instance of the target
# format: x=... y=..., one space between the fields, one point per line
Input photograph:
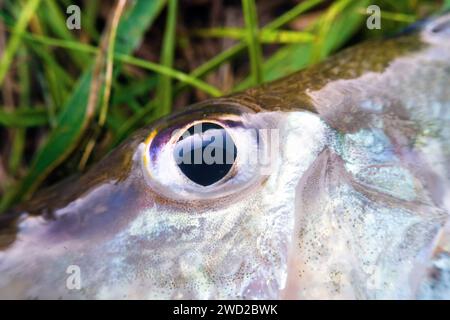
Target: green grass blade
x=235 y=50
x=89 y=16
x=64 y=78
x=394 y=16
x=135 y=22
x=446 y=5
x=215 y=62
x=56 y=20
x=132 y=122
x=324 y=27
x=294 y=57
x=58 y=145
x=265 y=36
x=14 y=42
x=254 y=47
x=23 y=118
x=18 y=141
x=155 y=67
x=164 y=90
x=211 y=90
x=125 y=93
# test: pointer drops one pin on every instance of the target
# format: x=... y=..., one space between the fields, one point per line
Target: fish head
x=230 y=237
x=173 y=227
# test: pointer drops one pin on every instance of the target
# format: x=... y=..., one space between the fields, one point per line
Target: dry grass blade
x=93 y=95
x=13 y=44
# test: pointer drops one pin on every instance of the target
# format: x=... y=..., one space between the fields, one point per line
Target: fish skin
x=355 y=207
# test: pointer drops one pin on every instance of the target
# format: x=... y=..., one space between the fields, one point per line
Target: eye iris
x=205 y=153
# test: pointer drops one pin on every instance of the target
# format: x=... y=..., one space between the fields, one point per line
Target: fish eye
x=205 y=153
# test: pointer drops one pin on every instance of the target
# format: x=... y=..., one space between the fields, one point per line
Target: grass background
x=69 y=96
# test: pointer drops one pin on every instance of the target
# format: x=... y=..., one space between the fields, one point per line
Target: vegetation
x=69 y=96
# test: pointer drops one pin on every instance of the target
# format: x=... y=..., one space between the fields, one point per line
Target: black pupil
x=205 y=153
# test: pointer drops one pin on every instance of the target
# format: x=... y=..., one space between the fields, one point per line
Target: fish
x=330 y=183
